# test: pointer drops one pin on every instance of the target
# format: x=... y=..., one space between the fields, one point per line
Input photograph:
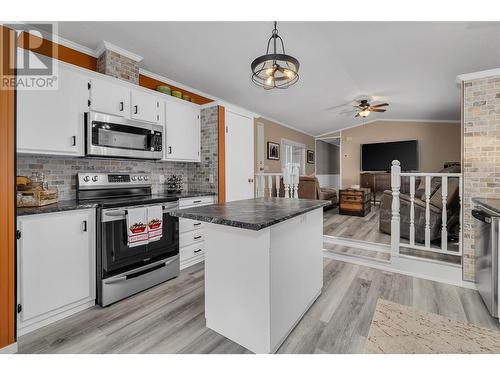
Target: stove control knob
x=134 y=178
x=146 y=178
x=139 y=178
x=95 y=178
x=86 y=178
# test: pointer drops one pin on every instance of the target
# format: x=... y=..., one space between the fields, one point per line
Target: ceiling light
x=275 y=70
x=364 y=112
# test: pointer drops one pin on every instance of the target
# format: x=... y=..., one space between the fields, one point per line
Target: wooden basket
x=36 y=198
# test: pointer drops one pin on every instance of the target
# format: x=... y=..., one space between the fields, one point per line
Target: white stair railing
x=264 y=186
x=396 y=176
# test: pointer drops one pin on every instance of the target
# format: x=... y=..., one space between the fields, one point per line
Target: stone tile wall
x=204 y=175
x=118 y=66
x=481 y=155
x=61 y=171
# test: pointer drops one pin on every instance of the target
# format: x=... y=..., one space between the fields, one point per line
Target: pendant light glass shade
x=275 y=70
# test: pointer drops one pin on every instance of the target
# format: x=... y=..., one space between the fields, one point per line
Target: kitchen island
x=263 y=267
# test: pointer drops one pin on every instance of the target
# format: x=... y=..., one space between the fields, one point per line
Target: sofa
x=435 y=208
x=309 y=189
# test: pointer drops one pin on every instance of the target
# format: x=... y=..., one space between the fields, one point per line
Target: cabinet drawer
x=196 y=201
x=191 y=251
x=187 y=225
x=189 y=238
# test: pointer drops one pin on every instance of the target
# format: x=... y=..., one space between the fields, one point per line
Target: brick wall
x=204 y=175
x=60 y=171
x=481 y=155
x=118 y=66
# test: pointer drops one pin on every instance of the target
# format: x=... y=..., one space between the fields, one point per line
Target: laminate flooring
x=367 y=229
x=169 y=318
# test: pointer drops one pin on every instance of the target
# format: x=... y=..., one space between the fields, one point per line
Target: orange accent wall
x=151 y=83
x=222 y=154
x=7 y=193
x=57 y=51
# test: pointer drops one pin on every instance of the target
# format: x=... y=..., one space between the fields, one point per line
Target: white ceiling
x=411 y=65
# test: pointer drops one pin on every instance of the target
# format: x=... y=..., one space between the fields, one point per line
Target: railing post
x=395 y=219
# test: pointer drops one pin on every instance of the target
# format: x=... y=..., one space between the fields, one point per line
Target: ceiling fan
x=364 y=108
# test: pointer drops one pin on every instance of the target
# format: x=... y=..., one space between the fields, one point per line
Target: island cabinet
x=56 y=266
x=263 y=267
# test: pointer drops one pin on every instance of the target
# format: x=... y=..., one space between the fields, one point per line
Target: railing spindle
x=427 y=211
x=278 y=185
x=270 y=185
x=444 y=231
x=412 y=210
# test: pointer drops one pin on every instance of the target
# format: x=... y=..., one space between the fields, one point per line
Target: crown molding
x=389 y=120
x=477 y=75
x=104 y=45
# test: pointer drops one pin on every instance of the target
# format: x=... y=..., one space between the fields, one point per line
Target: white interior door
x=239 y=157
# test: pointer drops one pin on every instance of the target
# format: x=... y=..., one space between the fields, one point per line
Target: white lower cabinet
x=56 y=267
x=192 y=233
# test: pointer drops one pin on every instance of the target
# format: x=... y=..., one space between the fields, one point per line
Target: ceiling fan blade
x=379 y=105
x=377 y=109
x=357 y=115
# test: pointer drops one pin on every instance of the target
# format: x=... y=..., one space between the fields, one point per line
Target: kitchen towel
x=137 y=229
x=155 y=222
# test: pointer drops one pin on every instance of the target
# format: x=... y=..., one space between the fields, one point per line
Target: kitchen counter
x=74 y=204
x=263 y=266
x=253 y=214
x=492 y=204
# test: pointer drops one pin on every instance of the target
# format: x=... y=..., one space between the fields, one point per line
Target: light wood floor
x=367 y=229
x=169 y=318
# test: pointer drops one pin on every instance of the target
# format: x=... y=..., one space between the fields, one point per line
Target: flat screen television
x=379 y=156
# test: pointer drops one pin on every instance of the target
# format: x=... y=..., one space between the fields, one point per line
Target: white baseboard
x=9 y=349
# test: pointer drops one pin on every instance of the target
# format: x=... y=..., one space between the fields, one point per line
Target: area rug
x=400 y=329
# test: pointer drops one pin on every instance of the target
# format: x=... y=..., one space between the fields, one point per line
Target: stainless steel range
x=123 y=270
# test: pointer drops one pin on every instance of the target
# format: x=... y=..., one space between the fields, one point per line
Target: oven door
x=118 y=137
x=117 y=256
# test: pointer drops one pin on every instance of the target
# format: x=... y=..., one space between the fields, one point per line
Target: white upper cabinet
x=51 y=121
x=182 y=132
x=110 y=98
x=144 y=107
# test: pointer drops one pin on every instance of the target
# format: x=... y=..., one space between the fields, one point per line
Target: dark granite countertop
x=492 y=204
x=253 y=214
x=66 y=205
x=74 y=204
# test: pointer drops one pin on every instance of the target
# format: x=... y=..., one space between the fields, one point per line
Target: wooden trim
x=56 y=51
x=222 y=154
x=152 y=83
x=7 y=192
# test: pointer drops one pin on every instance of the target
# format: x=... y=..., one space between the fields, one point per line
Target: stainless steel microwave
x=112 y=136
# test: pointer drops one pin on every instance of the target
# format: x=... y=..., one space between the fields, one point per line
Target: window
x=293 y=152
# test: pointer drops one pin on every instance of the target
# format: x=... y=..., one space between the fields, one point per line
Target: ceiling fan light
x=289 y=73
x=269 y=80
x=270 y=71
x=364 y=112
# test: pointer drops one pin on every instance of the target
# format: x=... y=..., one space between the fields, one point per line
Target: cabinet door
x=182 y=135
x=56 y=260
x=144 y=107
x=110 y=98
x=52 y=121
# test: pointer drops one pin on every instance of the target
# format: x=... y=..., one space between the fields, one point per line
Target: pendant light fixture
x=275 y=70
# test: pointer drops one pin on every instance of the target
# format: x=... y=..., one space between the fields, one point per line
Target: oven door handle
x=141 y=270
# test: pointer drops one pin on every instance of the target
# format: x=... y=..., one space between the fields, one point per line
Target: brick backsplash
x=60 y=171
x=481 y=155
